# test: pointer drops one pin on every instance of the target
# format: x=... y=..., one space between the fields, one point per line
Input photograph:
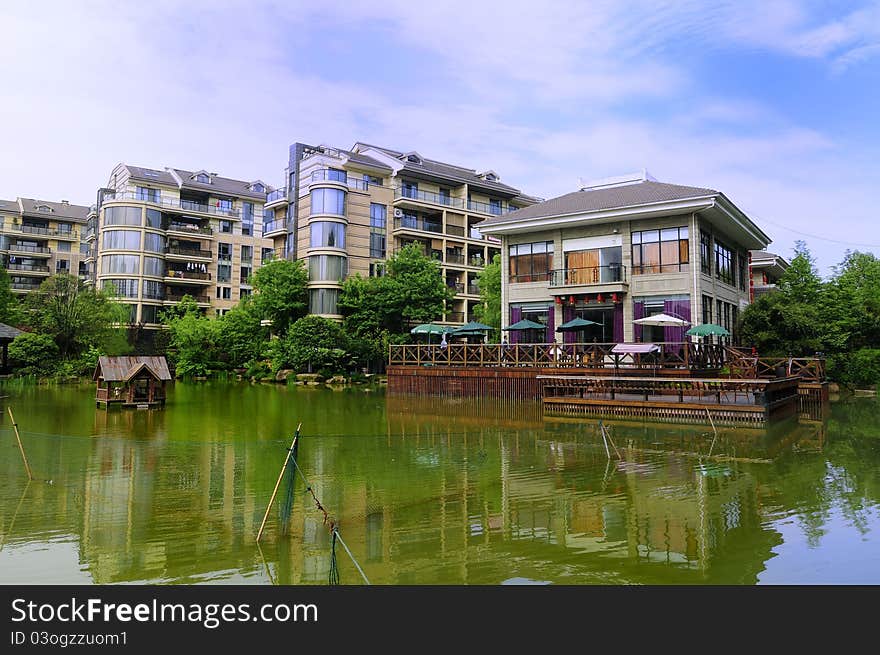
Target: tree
x=489 y=280
x=852 y=303
x=281 y=292
x=193 y=344
x=10 y=310
x=77 y=316
x=240 y=337
x=313 y=341
x=34 y=353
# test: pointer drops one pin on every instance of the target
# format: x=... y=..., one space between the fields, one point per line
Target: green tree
x=239 y=335
x=193 y=347
x=281 y=292
x=489 y=280
x=312 y=342
x=77 y=316
x=10 y=310
x=34 y=353
x=852 y=303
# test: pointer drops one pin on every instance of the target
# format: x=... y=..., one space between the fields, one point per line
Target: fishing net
x=286 y=506
x=334 y=568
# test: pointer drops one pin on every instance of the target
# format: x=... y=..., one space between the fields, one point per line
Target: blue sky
x=774 y=103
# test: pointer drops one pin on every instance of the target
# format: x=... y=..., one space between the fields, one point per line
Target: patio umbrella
x=525 y=324
x=575 y=325
x=429 y=328
x=662 y=320
x=472 y=327
x=708 y=330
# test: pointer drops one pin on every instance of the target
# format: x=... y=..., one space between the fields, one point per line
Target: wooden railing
x=574 y=355
x=745 y=365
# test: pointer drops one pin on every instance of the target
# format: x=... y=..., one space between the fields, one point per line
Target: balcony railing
x=455 y=230
x=326 y=175
x=274 y=226
x=477 y=260
x=489 y=208
x=224 y=258
x=43 y=231
x=588 y=275
x=473 y=290
x=36 y=268
x=454 y=258
x=18 y=247
x=189 y=228
x=173 y=203
x=177 y=297
x=458 y=287
x=24 y=286
x=188 y=275
x=428 y=196
x=417 y=224
x=277 y=194
x=455 y=317
x=188 y=252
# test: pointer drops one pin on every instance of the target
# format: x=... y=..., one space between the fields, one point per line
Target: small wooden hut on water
x=131 y=381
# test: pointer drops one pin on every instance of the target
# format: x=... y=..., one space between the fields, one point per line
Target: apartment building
x=346 y=211
x=621 y=249
x=157 y=235
x=39 y=238
x=766 y=268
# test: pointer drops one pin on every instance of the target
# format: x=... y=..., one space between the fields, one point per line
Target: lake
x=427 y=491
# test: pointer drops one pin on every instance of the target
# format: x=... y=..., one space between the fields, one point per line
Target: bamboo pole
x=20 y=447
x=278 y=482
x=713 y=429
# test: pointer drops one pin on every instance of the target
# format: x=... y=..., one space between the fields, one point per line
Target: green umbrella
x=707 y=330
x=575 y=325
x=525 y=324
x=429 y=328
x=472 y=327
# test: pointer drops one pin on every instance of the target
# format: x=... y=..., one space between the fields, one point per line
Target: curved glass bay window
x=122 y=288
x=154 y=290
x=125 y=264
x=323 y=301
x=328 y=201
x=122 y=216
x=121 y=240
x=150 y=314
x=325 y=234
x=154 y=266
x=327 y=268
x=154 y=242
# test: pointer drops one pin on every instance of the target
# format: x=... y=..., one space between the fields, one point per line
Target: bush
x=314 y=341
x=860 y=369
x=35 y=354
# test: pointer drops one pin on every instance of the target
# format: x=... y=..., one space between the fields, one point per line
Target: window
x=63 y=246
x=707 y=309
x=531 y=262
x=148 y=195
x=742 y=276
x=372 y=179
x=154 y=218
x=327 y=268
x=45 y=209
x=336 y=175
x=444 y=196
x=126 y=264
x=247 y=218
x=377 y=269
x=258 y=187
x=225 y=227
x=378 y=215
x=266 y=255
x=660 y=251
x=328 y=201
x=245 y=293
x=149 y=314
x=247 y=254
x=224 y=273
x=122 y=240
x=377 y=245
x=224 y=205
x=323 y=301
x=224 y=251
x=244 y=274
x=154 y=266
x=62 y=266
x=327 y=235
x=494 y=206
x=65 y=228
x=705 y=252
x=203 y=178
x=409 y=189
x=224 y=293
x=724 y=263
x=154 y=290
x=123 y=288
x=592 y=266
x=154 y=242
x=122 y=216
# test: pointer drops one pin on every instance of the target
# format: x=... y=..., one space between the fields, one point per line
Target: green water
x=428 y=492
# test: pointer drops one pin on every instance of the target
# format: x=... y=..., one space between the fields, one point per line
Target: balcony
x=417 y=224
x=273 y=228
x=189 y=229
x=187 y=277
x=276 y=195
x=173 y=204
x=601 y=279
x=442 y=199
x=52 y=232
x=203 y=299
x=454 y=258
x=29 y=268
x=23 y=287
x=39 y=251
x=492 y=209
x=455 y=230
x=473 y=290
x=455 y=317
x=458 y=287
x=339 y=177
x=190 y=253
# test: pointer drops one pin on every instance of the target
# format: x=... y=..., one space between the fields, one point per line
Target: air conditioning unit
x=398 y=213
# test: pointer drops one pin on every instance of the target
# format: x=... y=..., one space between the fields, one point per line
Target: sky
x=773 y=103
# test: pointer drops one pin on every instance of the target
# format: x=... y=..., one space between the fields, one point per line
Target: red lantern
x=614 y=298
x=571 y=300
x=599 y=298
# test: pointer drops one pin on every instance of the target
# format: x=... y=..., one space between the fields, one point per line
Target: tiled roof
x=116 y=369
x=220 y=185
x=59 y=209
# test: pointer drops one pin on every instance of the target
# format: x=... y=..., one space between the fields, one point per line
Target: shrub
x=860 y=368
x=34 y=353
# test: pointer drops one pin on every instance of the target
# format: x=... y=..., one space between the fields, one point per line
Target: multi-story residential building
x=623 y=249
x=39 y=238
x=766 y=269
x=346 y=211
x=156 y=235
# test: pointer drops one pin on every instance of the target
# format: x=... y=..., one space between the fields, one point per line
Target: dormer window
x=151 y=173
x=203 y=178
x=44 y=209
x=412 y=157
x=258 y=187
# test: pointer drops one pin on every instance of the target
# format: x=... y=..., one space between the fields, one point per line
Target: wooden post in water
x=20 y=447
x=278 y=483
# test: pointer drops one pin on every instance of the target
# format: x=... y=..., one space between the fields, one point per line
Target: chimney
x=65 y=202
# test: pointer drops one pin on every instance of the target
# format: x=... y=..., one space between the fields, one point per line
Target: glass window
x=660 y=251
x=742 y=276
x=494 y=206
x=224 y=273
x=377 y=245
x=122 y=240
x=224 y=251
x=327 y=235
x=154 y=242
x=122 y=288
x=372 y=179
x=724 y=264
x=65 y=228
x=224 y=205
x=224 y=293
x=378 y=215
x=204 y=179
x=245 y=293
x=328 y=201
x=62 y=266
x=148 y=195
x=226 y=227
x=244 y=274
x=530 y=262
x=154 y=266
x=128 y=264
x=327 y=268
x=154 y=290
x=323 y=301
x=247 y=253
x=336 y=175
x=154 y=218
x=149 y=314
x=266 y=255
x=707 y=309
x=409 y=189
x=63 y=246
x=247 y=218
x=705 y=252
x=122 y=216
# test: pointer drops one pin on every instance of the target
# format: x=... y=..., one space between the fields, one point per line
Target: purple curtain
x=638 y=312
x=679 y=309
x=515 y=317
x=567 y=315
x=551 y=324
x=618 y=323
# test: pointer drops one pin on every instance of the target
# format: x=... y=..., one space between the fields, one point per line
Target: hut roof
x=8 y=333
x=122 y=369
